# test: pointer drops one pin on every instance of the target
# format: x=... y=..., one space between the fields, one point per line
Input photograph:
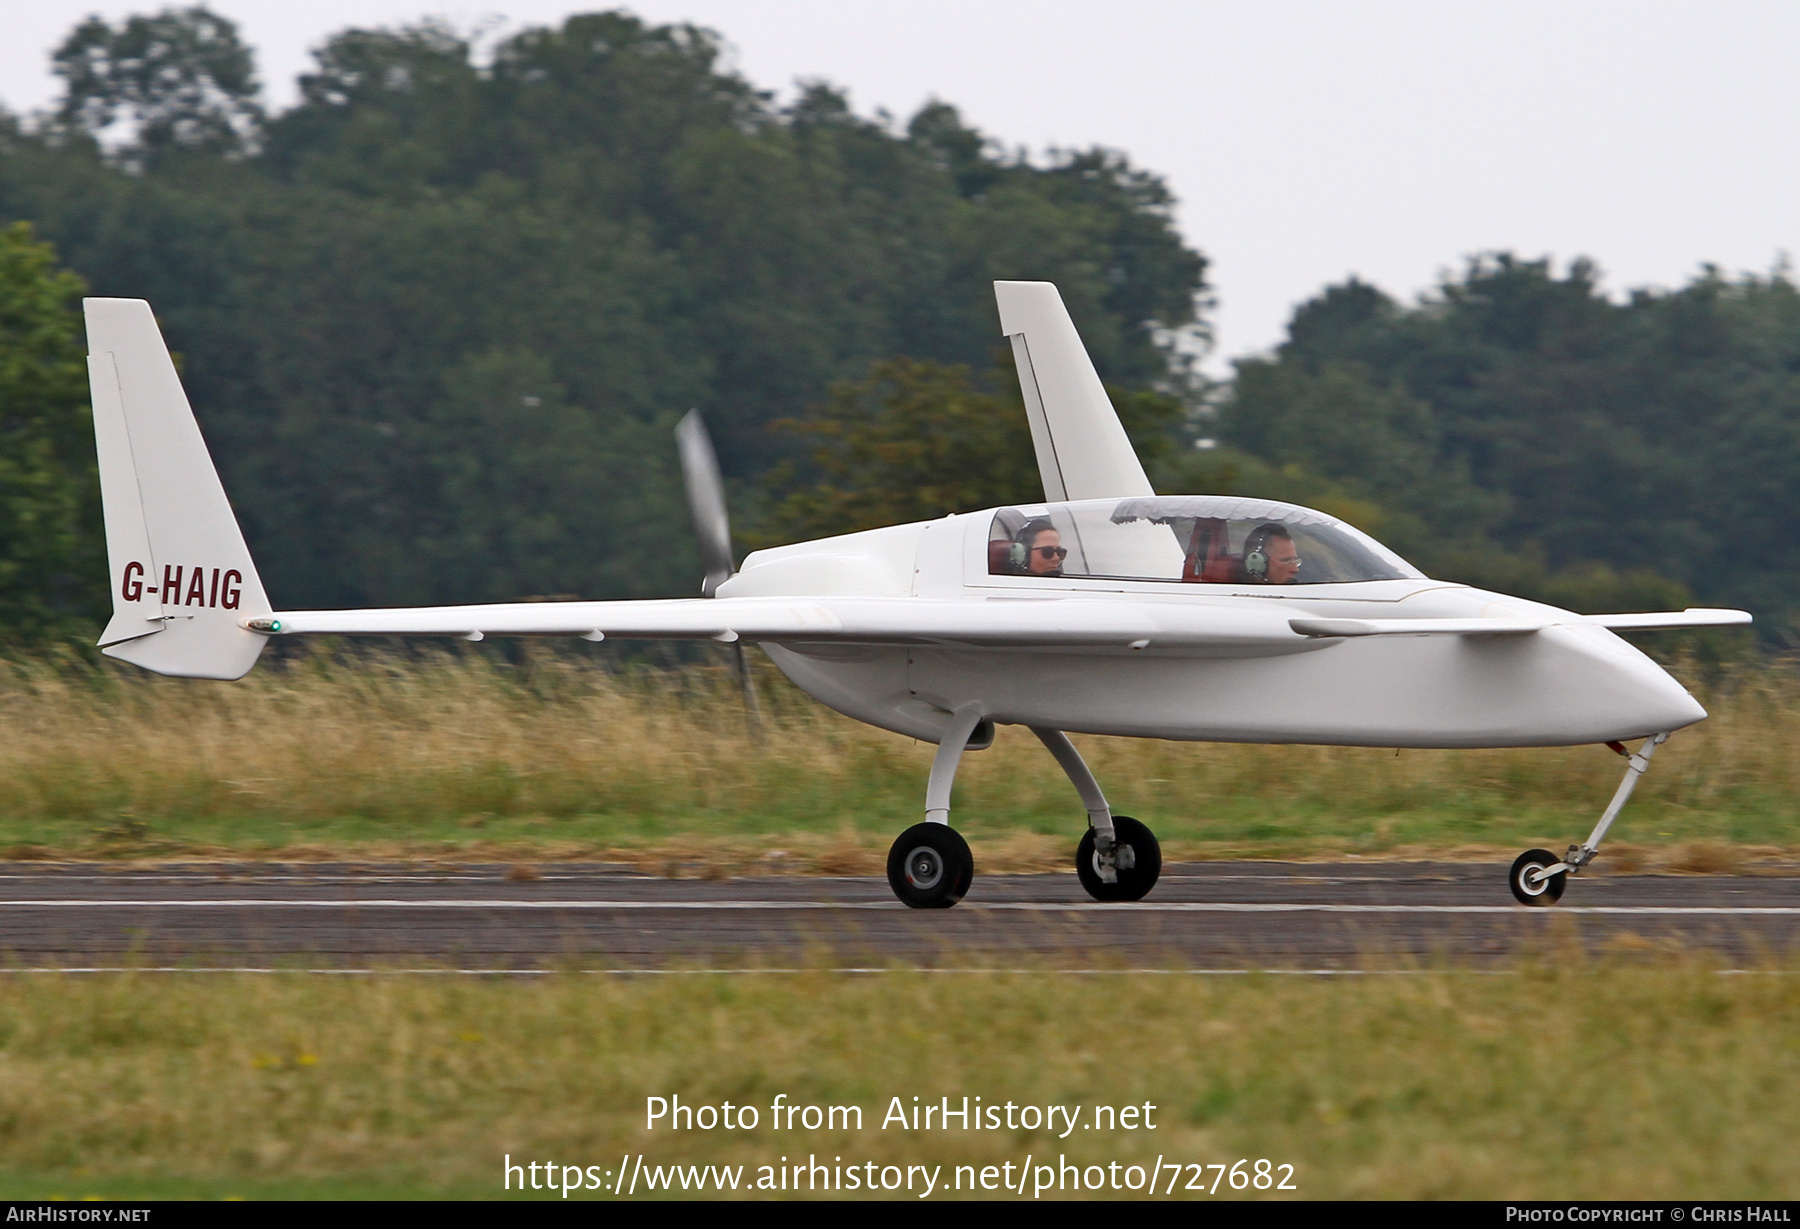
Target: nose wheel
x=1530 y=886
x=1135 y=864
x=930 y=866
x=1538 y=876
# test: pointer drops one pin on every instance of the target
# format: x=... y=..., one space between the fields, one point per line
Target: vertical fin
x=182 y=579
x=1082 y=449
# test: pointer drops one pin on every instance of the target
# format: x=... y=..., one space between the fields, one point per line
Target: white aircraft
x=1106 y=609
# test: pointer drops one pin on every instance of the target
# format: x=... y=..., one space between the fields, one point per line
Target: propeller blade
x=712 y=526
x=706 y=500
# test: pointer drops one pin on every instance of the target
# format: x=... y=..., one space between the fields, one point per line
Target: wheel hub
x=924 y=867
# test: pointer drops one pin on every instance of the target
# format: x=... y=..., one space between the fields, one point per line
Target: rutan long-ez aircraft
x=1105 y=609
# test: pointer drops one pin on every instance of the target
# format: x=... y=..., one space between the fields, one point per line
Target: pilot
x=1038 y=549
x=1269 y=555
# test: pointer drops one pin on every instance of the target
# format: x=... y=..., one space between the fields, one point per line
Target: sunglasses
x=1052 y=552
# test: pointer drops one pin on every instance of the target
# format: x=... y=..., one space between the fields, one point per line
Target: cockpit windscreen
x=1201 y=539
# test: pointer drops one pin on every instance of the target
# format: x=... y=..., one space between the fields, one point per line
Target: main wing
x=974 y=621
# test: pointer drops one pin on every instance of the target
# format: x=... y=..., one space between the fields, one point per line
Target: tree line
x=438 y=318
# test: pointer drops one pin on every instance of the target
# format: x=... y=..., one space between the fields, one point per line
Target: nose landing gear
x=1538 y=876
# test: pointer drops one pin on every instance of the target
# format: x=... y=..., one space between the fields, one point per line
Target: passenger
x=1038 y=550
x=1269 y=555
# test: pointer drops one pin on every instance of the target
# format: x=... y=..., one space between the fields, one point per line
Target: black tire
x=930 y=866
x=1134 y=883
x=1540 y=895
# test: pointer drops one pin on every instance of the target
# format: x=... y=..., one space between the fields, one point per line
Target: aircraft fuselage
x=1567 y=684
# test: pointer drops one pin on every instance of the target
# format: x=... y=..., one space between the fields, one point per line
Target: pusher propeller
x=706 y=501
x=712 y=527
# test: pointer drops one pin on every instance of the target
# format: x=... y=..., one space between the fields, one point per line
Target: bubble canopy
x=1199 y=539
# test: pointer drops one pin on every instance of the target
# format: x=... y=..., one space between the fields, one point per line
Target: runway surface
x=1217 y=915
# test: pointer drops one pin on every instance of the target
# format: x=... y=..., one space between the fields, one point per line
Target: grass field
x=465 y=756
x=1556 y=1081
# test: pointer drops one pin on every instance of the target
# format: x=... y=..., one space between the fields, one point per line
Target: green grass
x=465 y=756
x=1561 y=1078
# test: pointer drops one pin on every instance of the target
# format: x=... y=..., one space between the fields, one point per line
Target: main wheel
x=930 y=866
x=1136 y=880
x=1542 y=893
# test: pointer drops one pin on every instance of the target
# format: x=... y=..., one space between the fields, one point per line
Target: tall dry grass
x=1561 y=1081
x=440 y=752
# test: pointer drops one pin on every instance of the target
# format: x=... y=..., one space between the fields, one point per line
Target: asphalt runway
x=1217 y=915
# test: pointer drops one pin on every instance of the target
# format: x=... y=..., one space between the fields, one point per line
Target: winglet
x=1082 y=449
x=182 y=580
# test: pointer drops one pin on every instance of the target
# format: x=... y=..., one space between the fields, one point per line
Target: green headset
x=1018 y=555
x=1256 y=559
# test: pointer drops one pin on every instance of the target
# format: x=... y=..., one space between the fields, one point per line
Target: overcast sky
x=1306 y=141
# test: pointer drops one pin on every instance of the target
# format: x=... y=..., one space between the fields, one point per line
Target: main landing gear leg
x=929 y=865
x=1538 y=877
x=1118 y=858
